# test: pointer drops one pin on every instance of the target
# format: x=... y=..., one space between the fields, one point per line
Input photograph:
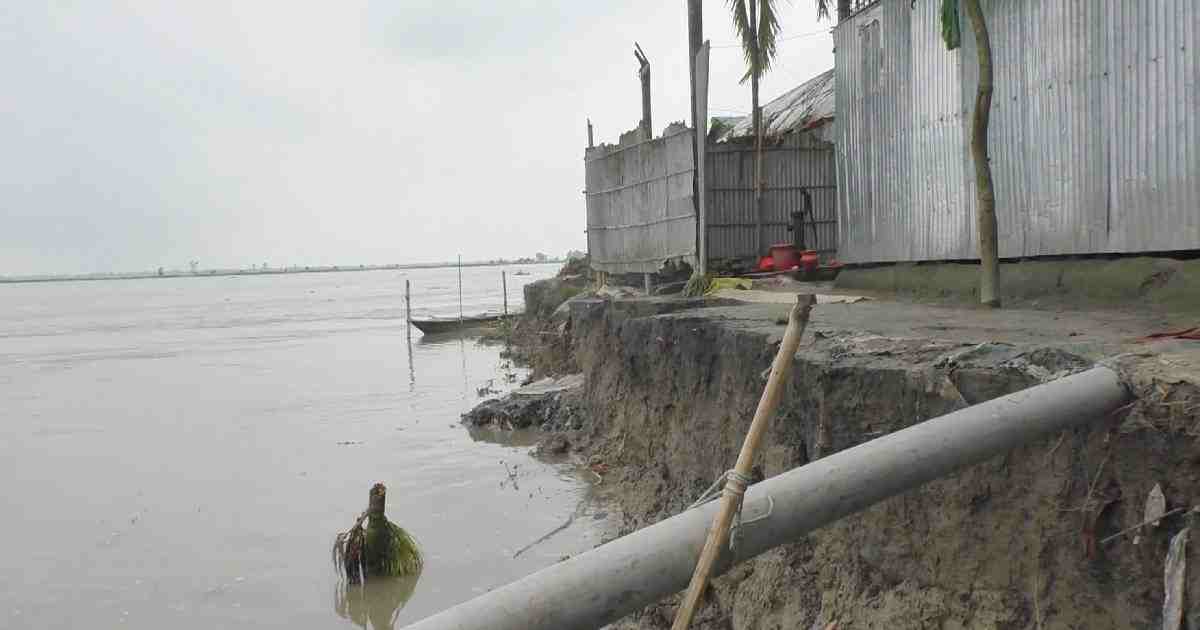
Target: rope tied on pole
x=735 y=484
x=737 y=480
x=738 y=487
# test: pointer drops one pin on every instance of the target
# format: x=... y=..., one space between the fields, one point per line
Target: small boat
x=437 y=325
x=521 y=272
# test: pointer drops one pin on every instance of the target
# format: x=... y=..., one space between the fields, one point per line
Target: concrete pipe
x=618 y=578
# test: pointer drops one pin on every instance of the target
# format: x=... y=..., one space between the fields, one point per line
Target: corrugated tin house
x=1094 y=138
x=639 y=200
x=797 y=159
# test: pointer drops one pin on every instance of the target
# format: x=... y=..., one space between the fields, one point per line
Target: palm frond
x=758 y=57
x=768 y=31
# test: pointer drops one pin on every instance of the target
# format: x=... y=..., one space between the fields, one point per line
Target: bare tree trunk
x=756 y=118
x=989 y=257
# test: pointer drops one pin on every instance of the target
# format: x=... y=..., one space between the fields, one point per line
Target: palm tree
x=757 y=27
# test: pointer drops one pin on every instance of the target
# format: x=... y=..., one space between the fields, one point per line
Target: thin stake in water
x=504 y=289
x=408 y=306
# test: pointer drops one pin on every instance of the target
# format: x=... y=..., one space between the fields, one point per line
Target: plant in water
x=381 y=548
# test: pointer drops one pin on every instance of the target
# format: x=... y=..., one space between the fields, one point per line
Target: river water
x=179 y=453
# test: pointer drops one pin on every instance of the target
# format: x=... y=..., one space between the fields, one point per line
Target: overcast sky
x=145 y=134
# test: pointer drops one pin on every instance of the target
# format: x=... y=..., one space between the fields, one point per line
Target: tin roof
x=806 y=106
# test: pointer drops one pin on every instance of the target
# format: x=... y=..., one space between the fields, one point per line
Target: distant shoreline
x=217 y=273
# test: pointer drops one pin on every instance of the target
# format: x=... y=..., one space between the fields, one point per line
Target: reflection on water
x=412 y=373
x=375 y=603
x=492 y=435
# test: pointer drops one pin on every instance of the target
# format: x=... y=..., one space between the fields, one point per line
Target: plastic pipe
x=627 y=574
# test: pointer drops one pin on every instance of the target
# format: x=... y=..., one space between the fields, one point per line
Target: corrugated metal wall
x=639 y=202
x=798 y=162
x=1094 y=140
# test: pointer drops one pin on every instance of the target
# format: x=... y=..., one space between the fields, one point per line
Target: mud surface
x=1012 y=543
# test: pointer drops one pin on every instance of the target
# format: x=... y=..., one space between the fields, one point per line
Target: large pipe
x=618 y=578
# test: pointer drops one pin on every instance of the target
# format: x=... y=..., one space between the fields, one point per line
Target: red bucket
x=809 y=260
x=785 y=256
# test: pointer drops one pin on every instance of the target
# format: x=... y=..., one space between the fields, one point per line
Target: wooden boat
x=438 y=325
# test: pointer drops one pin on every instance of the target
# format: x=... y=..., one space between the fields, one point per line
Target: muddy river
x=180 y=453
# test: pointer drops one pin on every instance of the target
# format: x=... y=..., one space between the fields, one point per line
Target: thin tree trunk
x=989 y=256
x=756 y=119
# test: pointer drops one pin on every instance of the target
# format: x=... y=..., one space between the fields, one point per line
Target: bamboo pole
x=735 y=485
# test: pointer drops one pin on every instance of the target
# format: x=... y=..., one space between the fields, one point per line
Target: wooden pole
x=460 y=311
x=695 y=17
x=504 y=288
x=701 y=116
x=735 y=487
x=695 y=24
x=408 y=305
x=644 y=75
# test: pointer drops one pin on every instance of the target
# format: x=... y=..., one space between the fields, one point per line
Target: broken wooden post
x=644 y=75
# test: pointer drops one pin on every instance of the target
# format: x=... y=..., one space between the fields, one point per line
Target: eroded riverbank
x=670 y=386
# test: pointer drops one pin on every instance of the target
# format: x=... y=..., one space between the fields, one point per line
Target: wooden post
x=460 y=311
x=591 y=143
x=735 y=487
x=701 y=139
x=695 y=24
x=644 y=75
x=695 y=18
x=504 y=288
x=408 y=304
